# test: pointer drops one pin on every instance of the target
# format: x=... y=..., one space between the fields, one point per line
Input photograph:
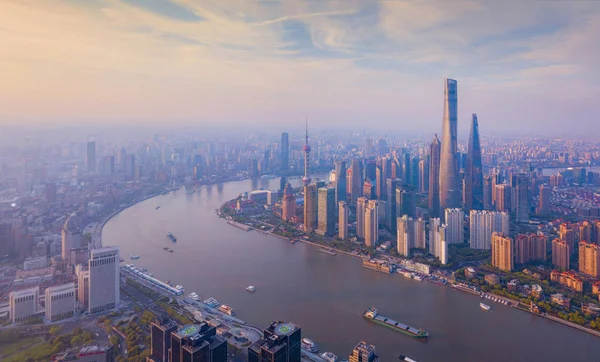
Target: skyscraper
x=280 y=342
x=104 y=279
x=420 y=239
x=589 y=259
x=449 y=177
x=381 y=147
x=405 y=235
x=357 y=182
x=71 y=239
x=160 y=339
x=390 y=205
x=522 y=198
x=285 y=151
x=326 y=218
x=487 y=192
x=361 y=208
x=343 y=220
x=434 y=177
x=371 y=224
x=423 y=176
x=473 y=171
x=438 y=245
x=529 y=247
x=502 y=252
x=340 y=181
x=455 y=226
x=91 y=157
x=483 y=224
x=406 y=203
x=543 y=209
x=369 y=147
x=288 y=203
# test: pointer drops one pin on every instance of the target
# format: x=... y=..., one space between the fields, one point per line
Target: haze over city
x=522 y=66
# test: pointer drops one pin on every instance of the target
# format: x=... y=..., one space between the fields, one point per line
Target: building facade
x=24 y=304
x=502 y=252
x=60 y=302
x=560 y=254
x=326 y=217
x=455 y=231
x=343 y=220
x=104 y=292
x=372 y=223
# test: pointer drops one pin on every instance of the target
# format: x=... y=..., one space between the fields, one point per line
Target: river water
x=326 y=294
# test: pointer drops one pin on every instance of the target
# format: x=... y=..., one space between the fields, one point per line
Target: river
x=326 y=294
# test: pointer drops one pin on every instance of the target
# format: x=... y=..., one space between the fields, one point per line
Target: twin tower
x=450 y=182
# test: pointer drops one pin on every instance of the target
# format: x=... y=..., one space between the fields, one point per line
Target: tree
x=87 y=337
x=114 y=340
x=55 y=330
x=59 y=347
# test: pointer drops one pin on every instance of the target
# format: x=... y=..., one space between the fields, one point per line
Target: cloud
x=346 y=62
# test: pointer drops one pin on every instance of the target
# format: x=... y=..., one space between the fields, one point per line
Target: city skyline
x=345 y=64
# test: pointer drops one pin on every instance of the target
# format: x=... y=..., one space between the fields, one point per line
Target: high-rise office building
x=589 y=259
x=281 y=342
x=405 y=235
x=530 y=247
x=24 y=304
x=91 y=157
x=543 y=208
x=522 y=198
x=502 y=252
x=310 y=208
x=130 y=167
x=357 y=182
x=71 y=239
x=197 y=343
x=363 y=352
x=423 y=176
x=369 y=190
x=414 y=172
x=288 y=203
x=340 y=181
x=372 y=223
x=487 y=192
x=369 y=147
x=438 y=245
x=560 y=254
x=390 y=206
x=406 y=202
x=343 y=220
x=60 y=302
x=326 y=217
x=449 y=177
x=160 y=339
x=434 y=177
x=455 y=231
x=361 y=208
x=483 y=224
x=285 y=151
x=474 y=170
x=104 y=279
x=381 y=147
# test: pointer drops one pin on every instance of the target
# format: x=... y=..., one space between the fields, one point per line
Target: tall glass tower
x=473 y=171
x=449 y=176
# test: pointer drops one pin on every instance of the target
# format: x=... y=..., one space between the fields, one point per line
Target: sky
x=522 y=66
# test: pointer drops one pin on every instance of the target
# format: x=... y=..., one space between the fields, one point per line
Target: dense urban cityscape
x=269 y=181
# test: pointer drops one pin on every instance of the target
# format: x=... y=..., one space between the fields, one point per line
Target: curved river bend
x=326 y=294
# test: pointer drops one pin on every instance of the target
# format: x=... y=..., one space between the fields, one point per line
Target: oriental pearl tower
x=310 y=191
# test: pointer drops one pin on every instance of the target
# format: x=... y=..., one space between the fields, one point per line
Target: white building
x=406 y=235
x=455 y=232
x=372 y=224
x=103 y=279
x=361 y=207
x=483 y=224
x=443 y=244
x=438 y=245
x=60 y=302
x=36 y=263
x=24 y=304
x=343 y=220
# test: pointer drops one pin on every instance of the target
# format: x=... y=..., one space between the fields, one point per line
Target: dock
x=238 y=225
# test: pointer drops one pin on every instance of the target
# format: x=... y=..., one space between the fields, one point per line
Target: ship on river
x=373 y=315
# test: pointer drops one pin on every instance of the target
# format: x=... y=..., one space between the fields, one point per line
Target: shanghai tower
x=449 y=177
x=473 y=171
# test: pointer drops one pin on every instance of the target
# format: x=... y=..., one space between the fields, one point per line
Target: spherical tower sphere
x=306 y=148
x=306 y=180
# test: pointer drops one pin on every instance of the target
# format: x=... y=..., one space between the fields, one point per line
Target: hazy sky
x=521 y=65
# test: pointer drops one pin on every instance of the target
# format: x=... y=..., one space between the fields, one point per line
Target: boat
x=484 y=306
x=212 y=302
x=251 y=288
x=169 y=250
x=194 y=296
x=373 y=315
x=227 y=309
x=327 y=251
x=180 y=288
x=407 y=359
x=171 y=236
x=309 y=346
x=158 y=207
x=134 y=257
x=328 y=356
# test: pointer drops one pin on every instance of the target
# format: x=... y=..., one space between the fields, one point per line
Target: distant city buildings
x=91 y=157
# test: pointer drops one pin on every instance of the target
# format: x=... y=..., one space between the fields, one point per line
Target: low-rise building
x=24 y=304
x=590 y=309
x=537 y=291
x=596 y=287
x=512 y=285
x=568 y=279
x=492 y=279
x=560 y=300
x=470 y=272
